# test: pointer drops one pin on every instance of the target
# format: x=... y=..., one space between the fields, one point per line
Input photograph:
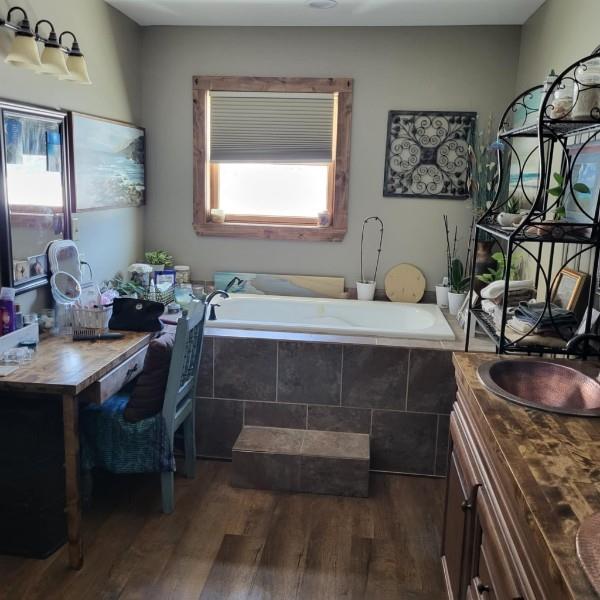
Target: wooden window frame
x=276 y=228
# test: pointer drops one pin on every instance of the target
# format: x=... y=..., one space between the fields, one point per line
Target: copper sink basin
x=543 y=385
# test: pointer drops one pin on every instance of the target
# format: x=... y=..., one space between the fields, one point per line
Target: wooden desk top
x=553 y=460
x=61 y=366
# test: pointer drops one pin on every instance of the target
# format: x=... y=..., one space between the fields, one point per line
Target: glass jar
x=182 y=274
x=587 y=91
x=562 y=102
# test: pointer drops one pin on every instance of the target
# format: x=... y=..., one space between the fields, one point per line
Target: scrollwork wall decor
x=427 y=154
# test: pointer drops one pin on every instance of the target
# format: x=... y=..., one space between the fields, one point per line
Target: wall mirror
x=34 y=192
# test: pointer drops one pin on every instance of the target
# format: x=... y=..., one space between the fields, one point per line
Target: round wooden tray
x=404 y=283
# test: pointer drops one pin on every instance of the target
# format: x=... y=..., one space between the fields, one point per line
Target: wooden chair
x=180 y=396
x=178 y=411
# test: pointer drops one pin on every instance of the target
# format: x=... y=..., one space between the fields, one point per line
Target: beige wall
x=110 y=239
x=393 y=68
x=559 y=33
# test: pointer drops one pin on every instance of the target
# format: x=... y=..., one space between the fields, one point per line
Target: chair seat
x=110 y=442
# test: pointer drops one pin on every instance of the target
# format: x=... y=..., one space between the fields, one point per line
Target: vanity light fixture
x=23 y=50
x=76 y=65
x=67 y=63
x=53 y=56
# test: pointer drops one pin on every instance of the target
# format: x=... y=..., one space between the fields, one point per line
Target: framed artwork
x=585 y=161
x=38 y=265
x=427 y=154
x=107 y=163
x=567 y=289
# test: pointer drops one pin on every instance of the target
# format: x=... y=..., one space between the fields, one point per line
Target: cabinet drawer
x=113 y=381
x=496 y=578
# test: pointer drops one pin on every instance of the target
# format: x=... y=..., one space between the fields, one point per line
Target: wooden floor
x=225 y=543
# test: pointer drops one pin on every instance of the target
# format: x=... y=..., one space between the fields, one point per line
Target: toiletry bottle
x=7 y=310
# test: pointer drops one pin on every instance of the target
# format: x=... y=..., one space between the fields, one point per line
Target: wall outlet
x=75 y=228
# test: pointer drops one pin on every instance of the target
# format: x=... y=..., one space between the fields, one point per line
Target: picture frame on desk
x=568 y=287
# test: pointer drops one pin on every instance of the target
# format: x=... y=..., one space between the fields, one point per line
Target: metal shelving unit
x=545 y=141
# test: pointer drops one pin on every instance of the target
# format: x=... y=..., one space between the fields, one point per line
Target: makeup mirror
x=65 y=288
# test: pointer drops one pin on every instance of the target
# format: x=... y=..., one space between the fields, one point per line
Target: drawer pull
x=466 y=505
x=131 y=371
x=483 y=589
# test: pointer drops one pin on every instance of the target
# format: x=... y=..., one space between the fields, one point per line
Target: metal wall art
x=427 y=154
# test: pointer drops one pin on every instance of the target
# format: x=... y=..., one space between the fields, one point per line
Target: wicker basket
x=90 y=321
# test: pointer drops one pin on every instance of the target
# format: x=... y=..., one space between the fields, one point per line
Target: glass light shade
x=53 y=62
x=77 y=70
x=24 y=53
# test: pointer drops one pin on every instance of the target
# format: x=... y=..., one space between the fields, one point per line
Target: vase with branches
x=365 y=288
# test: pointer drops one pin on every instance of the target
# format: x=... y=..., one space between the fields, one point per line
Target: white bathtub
x=339 y=317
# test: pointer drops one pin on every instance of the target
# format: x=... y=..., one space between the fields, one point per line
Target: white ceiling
x=346 y=13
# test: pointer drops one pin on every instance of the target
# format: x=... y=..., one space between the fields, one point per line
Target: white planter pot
x=365 y=291
x=158 y=268
x=455 y=301
x=441 y=295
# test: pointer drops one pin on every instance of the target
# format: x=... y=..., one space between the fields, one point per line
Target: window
x=272 y=154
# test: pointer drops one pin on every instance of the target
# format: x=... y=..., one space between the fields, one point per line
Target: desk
x=64 y=369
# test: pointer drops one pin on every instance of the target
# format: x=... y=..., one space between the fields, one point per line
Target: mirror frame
x=6 y=254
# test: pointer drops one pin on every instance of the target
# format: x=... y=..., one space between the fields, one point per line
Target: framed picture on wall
x=427 y=154
x=585 y=160
x=107 y=163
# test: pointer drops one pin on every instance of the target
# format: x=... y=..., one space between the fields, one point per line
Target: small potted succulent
x=459 y=286
x=159 y=259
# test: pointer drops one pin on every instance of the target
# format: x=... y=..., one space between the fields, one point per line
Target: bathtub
x=327 y=316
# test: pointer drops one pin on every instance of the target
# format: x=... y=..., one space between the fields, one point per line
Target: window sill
x=261 y=231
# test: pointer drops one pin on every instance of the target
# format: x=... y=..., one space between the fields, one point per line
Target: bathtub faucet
x=234 y=281
x=212 y=315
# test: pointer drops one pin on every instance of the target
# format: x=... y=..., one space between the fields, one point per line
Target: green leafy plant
x=558 y=192
x=513 y=205
x=458 y=282
x=124 y=288
x=159 y=257
x=496 y=274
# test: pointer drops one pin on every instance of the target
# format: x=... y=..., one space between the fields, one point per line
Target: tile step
x=299 y=460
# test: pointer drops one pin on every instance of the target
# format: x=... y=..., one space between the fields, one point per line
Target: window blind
x=271 y=127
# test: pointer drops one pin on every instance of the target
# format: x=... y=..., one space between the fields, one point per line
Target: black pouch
x=130 y=314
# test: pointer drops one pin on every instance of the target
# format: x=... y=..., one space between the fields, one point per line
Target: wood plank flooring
x=223 y=543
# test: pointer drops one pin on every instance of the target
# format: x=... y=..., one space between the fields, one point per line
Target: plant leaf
x=582 y=188
x=559 y=178
x=555 y=191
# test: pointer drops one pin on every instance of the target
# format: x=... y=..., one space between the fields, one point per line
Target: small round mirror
x=65 y=288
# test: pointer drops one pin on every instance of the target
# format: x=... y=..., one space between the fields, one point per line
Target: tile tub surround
x=401 y=396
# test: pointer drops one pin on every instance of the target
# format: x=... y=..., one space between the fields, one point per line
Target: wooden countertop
x=62 y=366
x=555 y=463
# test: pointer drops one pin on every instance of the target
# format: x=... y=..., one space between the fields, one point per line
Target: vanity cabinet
x=507 y=533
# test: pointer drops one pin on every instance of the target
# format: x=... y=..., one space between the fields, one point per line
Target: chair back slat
x=185 y=359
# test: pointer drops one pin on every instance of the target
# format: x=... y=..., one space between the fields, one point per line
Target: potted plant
x=365 y=288
x=459 y=281
x=159 y=259
x=459 y=285
x=497 y=273
x=483 y=184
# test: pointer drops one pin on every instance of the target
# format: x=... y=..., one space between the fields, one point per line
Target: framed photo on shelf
x=107 y=163
x=585 y=168
x=568 y=288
